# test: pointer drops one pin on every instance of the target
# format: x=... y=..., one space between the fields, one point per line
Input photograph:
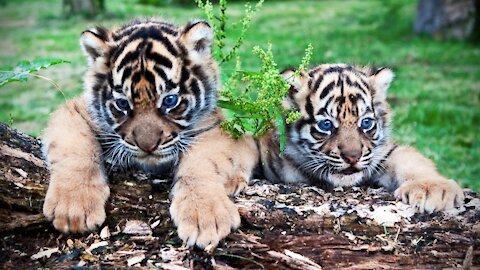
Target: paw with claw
x=431 y=195
x=203 y=217
x=76 y=207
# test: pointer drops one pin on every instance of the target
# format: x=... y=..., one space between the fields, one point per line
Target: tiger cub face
x=149 y=84
x=342 y=137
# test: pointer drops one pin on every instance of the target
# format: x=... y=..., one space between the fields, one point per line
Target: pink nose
x=351 y=157
x=148 y=148
x=147 y=145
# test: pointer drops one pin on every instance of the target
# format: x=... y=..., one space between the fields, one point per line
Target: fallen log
x=283 y=227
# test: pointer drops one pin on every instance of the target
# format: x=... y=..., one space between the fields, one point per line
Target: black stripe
x=169 y=46
x=126 y=73
x=340 y=83
x=390 y=152
x=155 y=34
x=100 y=78
x=334 y=69
x=309 y=107
x=200 y=74
x=159 y=70
x=317 y=83
x=348 y=81
x=329 y=100
x=327 y=90
x=184 y=75
x=159 y=59
x=129 y=57
x=192 y=24
x=137 y=76
x=196 y=91
x=149 y=77
x=378 y=70
x=168 y=30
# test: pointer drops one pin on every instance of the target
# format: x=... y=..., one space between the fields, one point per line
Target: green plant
x=253 y=98
x=220 y=24
x=24 y=69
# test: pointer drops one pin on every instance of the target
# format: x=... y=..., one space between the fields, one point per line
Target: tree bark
x=283 y=227
x=448 y=19
x=83 y=7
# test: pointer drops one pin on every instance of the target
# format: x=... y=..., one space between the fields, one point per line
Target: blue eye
x=170 y=101
x=367 y=124
x=122 y=104
x=325 y=125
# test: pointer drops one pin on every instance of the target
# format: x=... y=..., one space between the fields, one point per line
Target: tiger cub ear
x=380 y=80
x=94 y=43
x=197 y=37
x=298 y=86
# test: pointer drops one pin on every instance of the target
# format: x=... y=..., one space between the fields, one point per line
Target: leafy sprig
x=220 y=22
x=252 y=99
x=24 y=69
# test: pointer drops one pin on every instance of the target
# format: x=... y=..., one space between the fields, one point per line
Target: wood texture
x=283 y=227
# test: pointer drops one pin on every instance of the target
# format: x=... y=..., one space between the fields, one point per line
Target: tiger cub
x=149 y=101
x=343 y=139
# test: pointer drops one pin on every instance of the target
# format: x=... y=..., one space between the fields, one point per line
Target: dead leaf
x=45 y=253
x=135 y=259
x=137 y=227
x=105 y=233
x=96 y=245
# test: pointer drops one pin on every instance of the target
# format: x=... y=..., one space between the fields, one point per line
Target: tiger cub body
x=149 y=102
x=343 y=139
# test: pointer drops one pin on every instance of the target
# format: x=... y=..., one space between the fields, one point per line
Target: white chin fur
x=342 y=180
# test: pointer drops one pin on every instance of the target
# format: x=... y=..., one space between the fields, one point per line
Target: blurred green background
x=435 y=96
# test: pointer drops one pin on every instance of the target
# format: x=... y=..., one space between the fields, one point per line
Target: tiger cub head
x=149 y=85
x=342 y=135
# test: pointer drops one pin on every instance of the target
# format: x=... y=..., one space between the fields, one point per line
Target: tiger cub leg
x=243 y=163
x=78 y=189
x=201 y=207
x=420 y=184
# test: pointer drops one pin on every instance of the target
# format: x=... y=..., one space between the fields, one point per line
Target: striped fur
x=343 y=139
x=142 y=63
x=343 y=95
x=149 y=102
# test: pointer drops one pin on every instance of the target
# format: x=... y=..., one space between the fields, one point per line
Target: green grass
x=436 y=94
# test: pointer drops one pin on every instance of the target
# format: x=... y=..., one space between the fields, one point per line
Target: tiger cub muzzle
x=149 y=134
x=349 y=149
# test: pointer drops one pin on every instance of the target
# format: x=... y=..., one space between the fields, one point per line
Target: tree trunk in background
x=83 y=7
x=283 y=227
x=448 y=19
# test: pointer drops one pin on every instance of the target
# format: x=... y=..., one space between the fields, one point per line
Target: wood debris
x=283 y=227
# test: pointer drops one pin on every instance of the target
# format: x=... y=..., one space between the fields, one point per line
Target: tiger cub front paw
x=431 y=195
x=76 y=207
x=203 y=218
x=236 y=184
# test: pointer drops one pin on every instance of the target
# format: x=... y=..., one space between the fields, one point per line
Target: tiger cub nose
x=351 y=157
x=146 y=139
x=148 y=146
